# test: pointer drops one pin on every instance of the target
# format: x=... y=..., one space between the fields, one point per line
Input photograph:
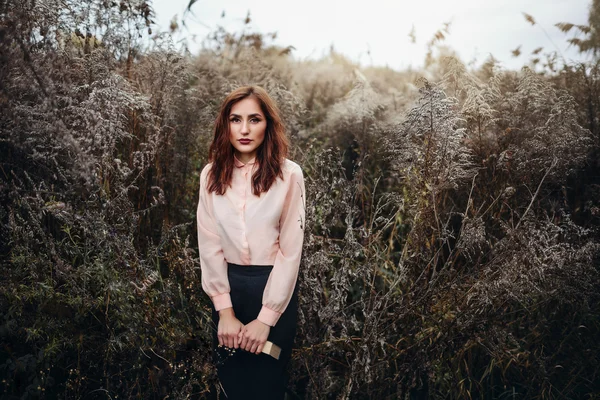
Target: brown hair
x=269 y=155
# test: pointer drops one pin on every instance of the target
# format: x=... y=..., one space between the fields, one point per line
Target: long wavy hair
x=269 y=155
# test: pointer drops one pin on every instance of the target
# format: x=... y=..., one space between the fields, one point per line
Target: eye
x=255 y=120
x=234 y=119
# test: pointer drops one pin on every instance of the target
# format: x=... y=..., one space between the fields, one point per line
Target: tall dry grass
x=451 y=247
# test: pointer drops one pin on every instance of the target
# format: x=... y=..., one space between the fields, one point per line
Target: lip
x=244 y=141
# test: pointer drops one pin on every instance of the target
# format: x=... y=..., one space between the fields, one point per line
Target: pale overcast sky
x=478 y=27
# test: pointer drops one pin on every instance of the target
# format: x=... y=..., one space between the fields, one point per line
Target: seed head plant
x=452 y=212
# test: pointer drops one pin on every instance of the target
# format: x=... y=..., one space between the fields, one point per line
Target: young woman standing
x=250 y=221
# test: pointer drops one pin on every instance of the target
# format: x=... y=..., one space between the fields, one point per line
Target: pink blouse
x=241 y=228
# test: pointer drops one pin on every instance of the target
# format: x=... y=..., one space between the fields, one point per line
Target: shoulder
x=204 y=173
x=291 y=168
x=206 y=169
x=292 y=175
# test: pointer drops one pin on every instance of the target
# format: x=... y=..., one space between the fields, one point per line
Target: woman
x=250 y=232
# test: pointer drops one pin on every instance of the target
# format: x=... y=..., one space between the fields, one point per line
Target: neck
x=244 y=157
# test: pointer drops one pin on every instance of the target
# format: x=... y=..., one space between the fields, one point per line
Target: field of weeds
x=452 y=236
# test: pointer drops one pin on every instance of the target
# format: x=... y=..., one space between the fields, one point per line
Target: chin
x=246 y=151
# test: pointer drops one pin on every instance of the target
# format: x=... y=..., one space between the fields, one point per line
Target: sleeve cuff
x=268 y=316
x=221 y=301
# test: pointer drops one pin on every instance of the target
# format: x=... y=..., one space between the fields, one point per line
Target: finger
x=225 y=340
x=220 y=337
x=248 y=344
x=253 y=348
x=243 y=342
x=260 y=348
x=238 y=339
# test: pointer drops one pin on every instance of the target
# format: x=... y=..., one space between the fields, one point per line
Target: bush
x=451 y=245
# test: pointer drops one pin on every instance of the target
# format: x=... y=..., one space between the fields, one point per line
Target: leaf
x=584 y=28
x=564 y=26
x=529 y=18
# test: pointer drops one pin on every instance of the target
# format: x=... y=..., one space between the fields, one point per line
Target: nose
x=244 y=130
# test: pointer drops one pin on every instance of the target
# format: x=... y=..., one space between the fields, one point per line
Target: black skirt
x=245 y=375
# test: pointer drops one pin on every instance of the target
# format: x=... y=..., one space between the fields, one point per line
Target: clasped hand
x=232 y=333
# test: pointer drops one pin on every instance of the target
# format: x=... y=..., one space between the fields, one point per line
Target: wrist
x=226 y=312
x=264 y=323
x=268 y=316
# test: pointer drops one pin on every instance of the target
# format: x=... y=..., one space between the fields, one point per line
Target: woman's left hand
x=254 y=336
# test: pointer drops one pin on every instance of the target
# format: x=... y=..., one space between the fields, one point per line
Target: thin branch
x=554 y=162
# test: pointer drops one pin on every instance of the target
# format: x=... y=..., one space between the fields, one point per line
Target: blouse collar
x=240 y=164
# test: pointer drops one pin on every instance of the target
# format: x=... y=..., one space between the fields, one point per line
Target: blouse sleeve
x=282 y=280
x=212 y=261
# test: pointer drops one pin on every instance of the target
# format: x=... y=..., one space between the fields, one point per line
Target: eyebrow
x=251 y=115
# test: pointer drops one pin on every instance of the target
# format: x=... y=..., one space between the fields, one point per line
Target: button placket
x=243 y=209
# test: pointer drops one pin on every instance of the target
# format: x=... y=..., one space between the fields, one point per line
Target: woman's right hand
x=229 y=328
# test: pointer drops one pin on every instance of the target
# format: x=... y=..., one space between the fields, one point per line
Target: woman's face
x=247 y=126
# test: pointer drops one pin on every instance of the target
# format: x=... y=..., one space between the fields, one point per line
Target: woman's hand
x=229 y=328
x=254 y=336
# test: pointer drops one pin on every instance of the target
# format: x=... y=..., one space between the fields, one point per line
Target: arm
x=281 y=283
x=214 y=267
x=282 y=280
x=212 y=261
